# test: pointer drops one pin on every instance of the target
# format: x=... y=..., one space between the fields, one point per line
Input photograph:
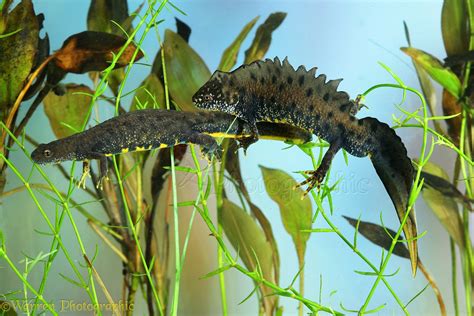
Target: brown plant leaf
x=296 y=213
x=445 y=187
x=229 y=57
x=18 y=51
x=93 y=51
x=442 y=205
x=263 y=37
x=444 y=76
x=70 y=108
x=185 y=70
x=451 y=107
x=454 y=26
x=183 y=29
x=377 y=235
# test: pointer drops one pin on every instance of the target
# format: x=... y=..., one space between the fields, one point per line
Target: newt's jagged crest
x=275 y=92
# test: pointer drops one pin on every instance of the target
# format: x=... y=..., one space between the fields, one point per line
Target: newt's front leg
x=317 y=176
x=86 y=168
x=245 y=142
x=209 y=146
x=102 y=170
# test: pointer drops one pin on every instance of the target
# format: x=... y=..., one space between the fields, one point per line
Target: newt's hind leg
x=317 y=176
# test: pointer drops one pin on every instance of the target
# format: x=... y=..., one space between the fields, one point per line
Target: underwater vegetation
x=134 y=161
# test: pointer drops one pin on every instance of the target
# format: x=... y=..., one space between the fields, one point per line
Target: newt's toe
x=314 y=180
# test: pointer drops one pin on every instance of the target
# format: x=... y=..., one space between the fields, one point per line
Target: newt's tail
x=389 y=157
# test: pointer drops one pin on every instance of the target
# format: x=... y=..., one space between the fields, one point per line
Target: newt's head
x=53 y=152
x=217 y=94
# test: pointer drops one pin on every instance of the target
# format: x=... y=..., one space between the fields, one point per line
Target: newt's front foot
x=213 y=151
x=86 y=169
x=100 y=183
x=314 y=180
x=246 y=142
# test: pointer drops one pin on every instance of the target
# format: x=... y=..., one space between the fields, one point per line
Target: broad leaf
x=246 y=238
x=111 y=16
x=17 y=51
x=232 y=165
x=296 y=213
x=229 y=57
x=443 y=205
x=93 y=51
x=377 y=234
x=454 y=26
x=426 y=86
x=249 y=241
x=435 y=69
x=263 y=37
x=149 y=95
x=67 y=113
x=185 y=70
x=103 y=12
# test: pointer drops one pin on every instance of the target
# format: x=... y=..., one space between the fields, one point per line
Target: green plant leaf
x=149 y=95
x=443 y=206
x=296 y=213
x=379 y=236
x=229 y=57
x=435 y=69
x=426 y=86
x=17 y=52
x=263 y=37
x=253 y=248
x=454 y=26
x=232 y=165
x=67 y=113
x=246 y=237
x=185 y=70
x=102 y=12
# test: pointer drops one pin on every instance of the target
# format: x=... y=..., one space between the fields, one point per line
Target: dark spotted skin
x=153 y=128
x=271 y=91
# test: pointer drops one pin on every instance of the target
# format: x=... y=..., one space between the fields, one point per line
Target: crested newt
x=272 y=91
x=155 y=128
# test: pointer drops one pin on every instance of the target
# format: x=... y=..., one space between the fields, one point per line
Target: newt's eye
x=47 y=153
x=208 y=97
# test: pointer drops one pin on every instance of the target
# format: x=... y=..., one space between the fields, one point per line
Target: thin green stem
x=132 y=227
x=219 y=189
x=454 y=276
x=256 y=277
x=65 y=204
x=25 y=282
x=467 y=256
x=413 y=193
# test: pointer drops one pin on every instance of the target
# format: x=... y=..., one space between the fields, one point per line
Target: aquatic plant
x=141 y=229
